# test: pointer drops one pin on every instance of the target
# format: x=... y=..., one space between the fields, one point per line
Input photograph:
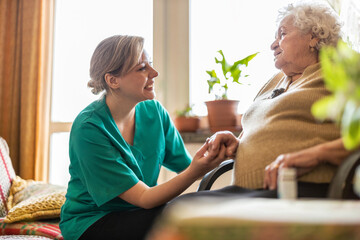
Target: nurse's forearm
x=145 y=197
x=204 y=160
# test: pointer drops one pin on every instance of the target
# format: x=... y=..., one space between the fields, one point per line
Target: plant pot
x=187 y=124
x=222 y=115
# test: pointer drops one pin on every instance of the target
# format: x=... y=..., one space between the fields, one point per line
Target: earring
x=312 y=49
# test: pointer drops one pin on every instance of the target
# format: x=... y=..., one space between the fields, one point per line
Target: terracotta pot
x=222 y=115
x=187 y=124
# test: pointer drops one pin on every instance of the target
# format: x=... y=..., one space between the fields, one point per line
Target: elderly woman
x=279 y=125
x=280 y=121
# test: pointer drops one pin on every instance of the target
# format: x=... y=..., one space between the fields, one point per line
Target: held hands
x=204 y=160
x=304 y=161
x=216 y=149
x=225 y=138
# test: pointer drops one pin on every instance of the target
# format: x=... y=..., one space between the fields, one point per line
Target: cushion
x=48 y=228
x=32 y=200
x=24 y=237
x=7 y=174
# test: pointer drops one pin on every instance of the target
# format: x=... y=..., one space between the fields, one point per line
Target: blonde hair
x=116 y=55
x=315 y=17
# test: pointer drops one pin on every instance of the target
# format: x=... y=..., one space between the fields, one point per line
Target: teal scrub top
x=103 y=165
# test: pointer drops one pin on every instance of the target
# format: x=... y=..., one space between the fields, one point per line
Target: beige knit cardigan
x=283 y=124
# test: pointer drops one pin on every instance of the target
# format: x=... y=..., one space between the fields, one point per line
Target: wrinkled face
x=292 y=48
x=138 y=83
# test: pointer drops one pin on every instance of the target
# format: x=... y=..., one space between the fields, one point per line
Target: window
x=183 y=36
x=79 y=26
x=239 y=28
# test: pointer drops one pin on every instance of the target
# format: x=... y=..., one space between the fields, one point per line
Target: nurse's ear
x=112 y=81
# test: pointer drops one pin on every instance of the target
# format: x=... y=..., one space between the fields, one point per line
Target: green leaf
x=186 y=112
x=213 y=80
x=236 y=75
x=224 y=65
x=245 y=61
x=235 y=68
x=341 y=71
x=322 y=108
x=333 y=70
x=212 y=73
x=350 y=125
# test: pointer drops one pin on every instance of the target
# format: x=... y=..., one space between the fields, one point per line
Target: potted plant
x=185 y=121
x=341 y=70
x=222 y=112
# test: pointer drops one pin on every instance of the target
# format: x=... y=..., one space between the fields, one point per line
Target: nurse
x=118 y=145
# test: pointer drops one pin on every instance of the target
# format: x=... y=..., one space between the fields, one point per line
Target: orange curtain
x=25 y=36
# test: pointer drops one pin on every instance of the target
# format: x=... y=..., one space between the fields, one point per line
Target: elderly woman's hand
x=332 y=152
x=225 y=138
x=304 y=161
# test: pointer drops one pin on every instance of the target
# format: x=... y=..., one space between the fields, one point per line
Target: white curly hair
x=315 y=17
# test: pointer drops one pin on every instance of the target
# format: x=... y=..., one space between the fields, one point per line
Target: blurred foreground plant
x=341 y=70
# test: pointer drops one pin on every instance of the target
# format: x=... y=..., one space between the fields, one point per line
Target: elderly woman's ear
x=313 y=42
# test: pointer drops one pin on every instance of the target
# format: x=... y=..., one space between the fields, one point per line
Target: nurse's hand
x=206 y=159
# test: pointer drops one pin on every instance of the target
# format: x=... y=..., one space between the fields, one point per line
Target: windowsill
x=199 y=136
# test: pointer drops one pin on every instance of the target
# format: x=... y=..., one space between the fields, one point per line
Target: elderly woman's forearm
x=334 y=152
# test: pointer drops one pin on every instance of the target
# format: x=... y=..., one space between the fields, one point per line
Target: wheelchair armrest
x=341 y=186
x=211 y=176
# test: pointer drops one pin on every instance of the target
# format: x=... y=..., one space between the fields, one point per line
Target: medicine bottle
x=287 y=184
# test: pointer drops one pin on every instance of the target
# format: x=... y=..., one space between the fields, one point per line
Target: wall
x=350 y=15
